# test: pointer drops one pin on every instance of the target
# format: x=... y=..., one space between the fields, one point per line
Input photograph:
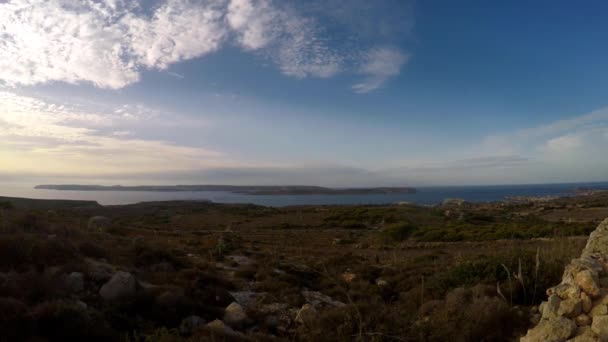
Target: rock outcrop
x=577 y=308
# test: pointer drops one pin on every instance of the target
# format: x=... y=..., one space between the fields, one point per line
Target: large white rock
x=121 y=285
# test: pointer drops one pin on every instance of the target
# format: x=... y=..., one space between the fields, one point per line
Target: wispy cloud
x=71 y=141
x=379 y=65
x=110 y=42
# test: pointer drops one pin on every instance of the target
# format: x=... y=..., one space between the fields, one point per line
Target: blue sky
x=336 y=93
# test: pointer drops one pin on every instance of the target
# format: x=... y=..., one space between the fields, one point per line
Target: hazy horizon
x=262 y=92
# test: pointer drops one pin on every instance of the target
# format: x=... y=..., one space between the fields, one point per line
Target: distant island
x=248 y=190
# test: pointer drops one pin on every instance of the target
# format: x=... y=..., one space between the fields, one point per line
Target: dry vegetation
x=458 y=272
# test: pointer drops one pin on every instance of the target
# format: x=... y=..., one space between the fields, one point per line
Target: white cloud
x=110 y=42
x=293 y=42
x=178 y=30
x=378 y=66
x=563 y=144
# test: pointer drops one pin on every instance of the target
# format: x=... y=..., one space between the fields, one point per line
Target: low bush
x=398 y=231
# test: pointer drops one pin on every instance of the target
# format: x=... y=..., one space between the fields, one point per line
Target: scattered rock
x=235 y=316
x=122 y=284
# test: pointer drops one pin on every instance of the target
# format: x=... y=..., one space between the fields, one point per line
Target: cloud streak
x=379 y=65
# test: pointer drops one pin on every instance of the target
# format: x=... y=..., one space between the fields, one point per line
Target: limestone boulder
x=557 y=329
x=600 y=327
x=587 y=281
x=121 y=285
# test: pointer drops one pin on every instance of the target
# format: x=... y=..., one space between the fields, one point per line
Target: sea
x=430 y=195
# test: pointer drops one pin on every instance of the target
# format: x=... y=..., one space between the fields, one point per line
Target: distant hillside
x=27 y=203
x=250 y=190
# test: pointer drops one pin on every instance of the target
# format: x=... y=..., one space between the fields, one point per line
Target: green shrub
x=61 y=320
x=398 y=231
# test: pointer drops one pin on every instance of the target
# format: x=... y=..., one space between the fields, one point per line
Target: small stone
x=582 y=320
x=348 y=277
x=570 y=308
x=82 y=305
x=235 y=316
x=600 y=327
x=122 y=284
x=604 y=282
x=585 y=280
x=565 y=291
x=599 y=310
x=381 y=282
x=551 y=306
x=220 y=326
x=74 y=282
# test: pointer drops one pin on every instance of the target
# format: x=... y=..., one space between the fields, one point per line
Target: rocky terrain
x=577 y=309
x=197 y=271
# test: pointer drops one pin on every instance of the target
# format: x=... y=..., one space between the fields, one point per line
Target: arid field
x=199 y=271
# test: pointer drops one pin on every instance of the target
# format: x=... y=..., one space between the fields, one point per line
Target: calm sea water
x=424 y=196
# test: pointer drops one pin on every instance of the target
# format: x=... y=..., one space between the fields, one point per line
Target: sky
x=317 y=92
